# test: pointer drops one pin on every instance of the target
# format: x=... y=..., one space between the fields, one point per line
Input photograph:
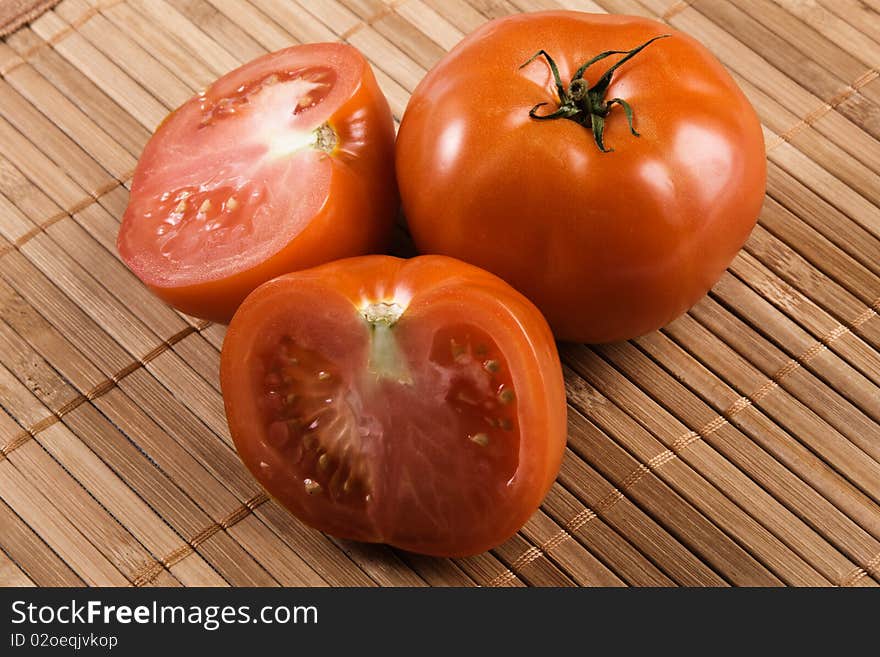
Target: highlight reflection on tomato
x=415 y=402
x=282 y=164
x=504 y=167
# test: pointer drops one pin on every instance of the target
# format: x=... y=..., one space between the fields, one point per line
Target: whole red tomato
x=282 y=164
x=611 y=233
x=416 y=402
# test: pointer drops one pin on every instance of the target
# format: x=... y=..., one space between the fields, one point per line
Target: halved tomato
x=282 y=164
x=417 y=402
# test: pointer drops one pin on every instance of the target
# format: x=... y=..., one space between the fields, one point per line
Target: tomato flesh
x=334 y=425
x=255 y=176
x=210 y=205
x=392 y=422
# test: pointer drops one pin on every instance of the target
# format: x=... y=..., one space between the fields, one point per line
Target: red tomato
x=417 y=402
x=609 y=245
x=282 y=164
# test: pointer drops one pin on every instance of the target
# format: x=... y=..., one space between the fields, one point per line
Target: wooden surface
x=738 y=446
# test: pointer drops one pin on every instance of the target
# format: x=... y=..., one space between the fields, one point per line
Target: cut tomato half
x=417 y=402
x=282 y=164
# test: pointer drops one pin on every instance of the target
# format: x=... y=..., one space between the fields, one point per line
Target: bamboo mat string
x=387 y=10
x=98 y=390
x=866 y=78
x=16 y=13
x=76 y=208
x=870 y=568
x=676 y=8
x=72 y=27
x=150 y=571
x=13 y=64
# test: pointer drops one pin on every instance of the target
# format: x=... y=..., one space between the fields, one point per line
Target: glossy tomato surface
x=282 y=164
x=609 y=245
x=417 y=402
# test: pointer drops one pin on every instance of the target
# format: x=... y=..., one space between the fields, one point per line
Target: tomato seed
x=492 y=366
x=456 y=349
x=505 y=396
x=323 y=376
x=312 y=487
x=481 y=439
x=323 y=461
x=465 y=398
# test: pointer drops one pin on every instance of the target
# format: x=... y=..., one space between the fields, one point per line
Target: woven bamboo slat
x=740 y=445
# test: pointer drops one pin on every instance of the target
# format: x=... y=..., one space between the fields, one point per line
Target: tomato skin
x=608 y=245
x=332 y=293
x=357 y=213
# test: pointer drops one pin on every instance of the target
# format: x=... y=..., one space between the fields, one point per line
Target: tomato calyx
x=581 y=102
x=324 y=138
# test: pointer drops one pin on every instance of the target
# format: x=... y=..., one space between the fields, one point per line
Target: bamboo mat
x=738 y=446
x=15 y=13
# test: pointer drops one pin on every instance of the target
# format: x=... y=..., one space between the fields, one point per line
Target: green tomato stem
x=584 y=104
